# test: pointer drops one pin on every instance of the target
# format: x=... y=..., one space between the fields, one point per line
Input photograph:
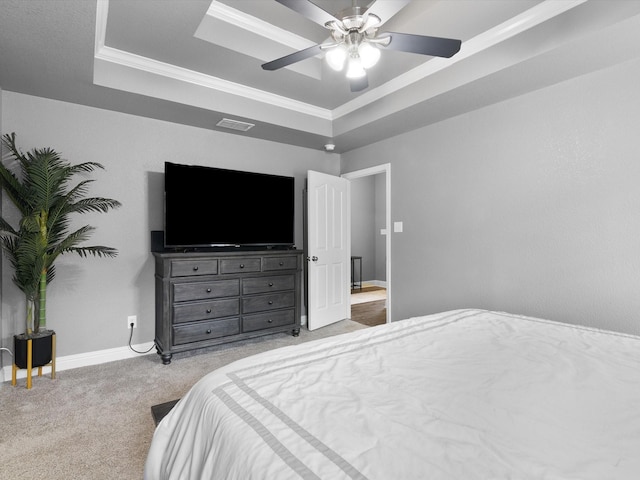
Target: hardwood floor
x=369 y=313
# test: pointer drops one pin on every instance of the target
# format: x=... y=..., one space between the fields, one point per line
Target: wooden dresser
x=205 y=298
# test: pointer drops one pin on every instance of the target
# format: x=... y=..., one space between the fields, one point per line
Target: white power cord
x=6 y=349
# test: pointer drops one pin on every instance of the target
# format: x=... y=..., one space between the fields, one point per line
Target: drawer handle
x=270 y=321
x=281 y=263
x=271 y=284
x=209 y=331
x=208 y=310
x=195 y=269
x=242 y=265
x=208 y=290
x=270 y=302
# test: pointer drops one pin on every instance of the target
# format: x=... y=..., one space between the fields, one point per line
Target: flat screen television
x=215 y=207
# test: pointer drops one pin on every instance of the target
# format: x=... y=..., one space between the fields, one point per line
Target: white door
x=328 y=250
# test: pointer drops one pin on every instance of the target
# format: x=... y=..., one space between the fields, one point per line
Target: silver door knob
x=314 y=259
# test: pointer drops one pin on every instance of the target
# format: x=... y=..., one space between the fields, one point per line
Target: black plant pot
x=42 y=349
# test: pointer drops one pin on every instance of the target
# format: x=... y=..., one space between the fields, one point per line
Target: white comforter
x=467 y=394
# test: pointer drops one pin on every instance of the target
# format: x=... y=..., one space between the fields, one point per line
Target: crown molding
x=155 y=67
x=510 y=28
x=224 y=26
x=138 y=62
x=254 y=25
x=102 y=12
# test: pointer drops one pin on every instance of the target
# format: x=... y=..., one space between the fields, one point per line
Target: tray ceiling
x=199 y=61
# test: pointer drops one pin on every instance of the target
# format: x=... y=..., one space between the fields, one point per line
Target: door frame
x=376 y=170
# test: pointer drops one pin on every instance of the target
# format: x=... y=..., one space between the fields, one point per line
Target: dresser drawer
x=200 y=331
x=240 y=265
x=273 y=283
x=184 y=292
x=280 y=263
x=189 y=312
x=261 y=321
x=259 y=303
x=187 y=268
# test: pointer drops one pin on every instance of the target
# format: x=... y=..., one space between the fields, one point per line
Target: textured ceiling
x=198 y=61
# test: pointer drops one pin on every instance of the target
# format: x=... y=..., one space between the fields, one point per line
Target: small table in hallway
x=356 y=284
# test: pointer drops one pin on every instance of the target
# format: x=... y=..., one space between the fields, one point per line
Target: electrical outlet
x=132 y=319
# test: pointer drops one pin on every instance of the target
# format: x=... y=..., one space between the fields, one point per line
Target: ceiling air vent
x=235 y=124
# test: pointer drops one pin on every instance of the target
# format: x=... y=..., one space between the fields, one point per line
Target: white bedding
x=466 y=394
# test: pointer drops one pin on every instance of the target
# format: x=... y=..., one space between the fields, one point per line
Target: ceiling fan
x=356 y=40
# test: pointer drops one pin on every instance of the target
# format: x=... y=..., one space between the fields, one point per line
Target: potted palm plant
x=39 y=185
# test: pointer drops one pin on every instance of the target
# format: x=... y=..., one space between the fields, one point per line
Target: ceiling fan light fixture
x=369 y=54
x=336 y=57
x=369 y=22
x=356 y=40
x=355 y=68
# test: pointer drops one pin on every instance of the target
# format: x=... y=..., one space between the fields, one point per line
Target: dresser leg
x=166 y=358
x=295 y=332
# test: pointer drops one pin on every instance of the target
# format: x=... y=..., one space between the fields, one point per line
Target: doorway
x=367 y=302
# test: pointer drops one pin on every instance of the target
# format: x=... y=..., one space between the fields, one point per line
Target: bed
x=465 y=394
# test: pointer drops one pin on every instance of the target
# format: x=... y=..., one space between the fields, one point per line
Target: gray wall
x=368 y=207
x=529 y=206
x=380 y=224
x=90 y=299
x=363 y=224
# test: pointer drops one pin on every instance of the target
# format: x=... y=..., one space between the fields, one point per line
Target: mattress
x=464 y=394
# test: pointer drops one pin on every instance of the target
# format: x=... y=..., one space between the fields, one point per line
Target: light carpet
x=95 y=422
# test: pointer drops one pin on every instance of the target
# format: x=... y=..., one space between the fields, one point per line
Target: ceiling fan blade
x=309 y=10
x=424 y=45
x=292 y=58
x=358 y=84
x=385 y=9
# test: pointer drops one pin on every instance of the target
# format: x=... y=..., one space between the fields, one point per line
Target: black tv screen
x=215 y=207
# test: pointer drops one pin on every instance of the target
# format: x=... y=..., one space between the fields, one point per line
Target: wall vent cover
x=235 y=124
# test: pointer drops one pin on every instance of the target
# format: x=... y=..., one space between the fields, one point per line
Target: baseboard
x=92 y=358
x=86 y=359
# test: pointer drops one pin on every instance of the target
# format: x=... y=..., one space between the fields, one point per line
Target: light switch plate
x=397 y=227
